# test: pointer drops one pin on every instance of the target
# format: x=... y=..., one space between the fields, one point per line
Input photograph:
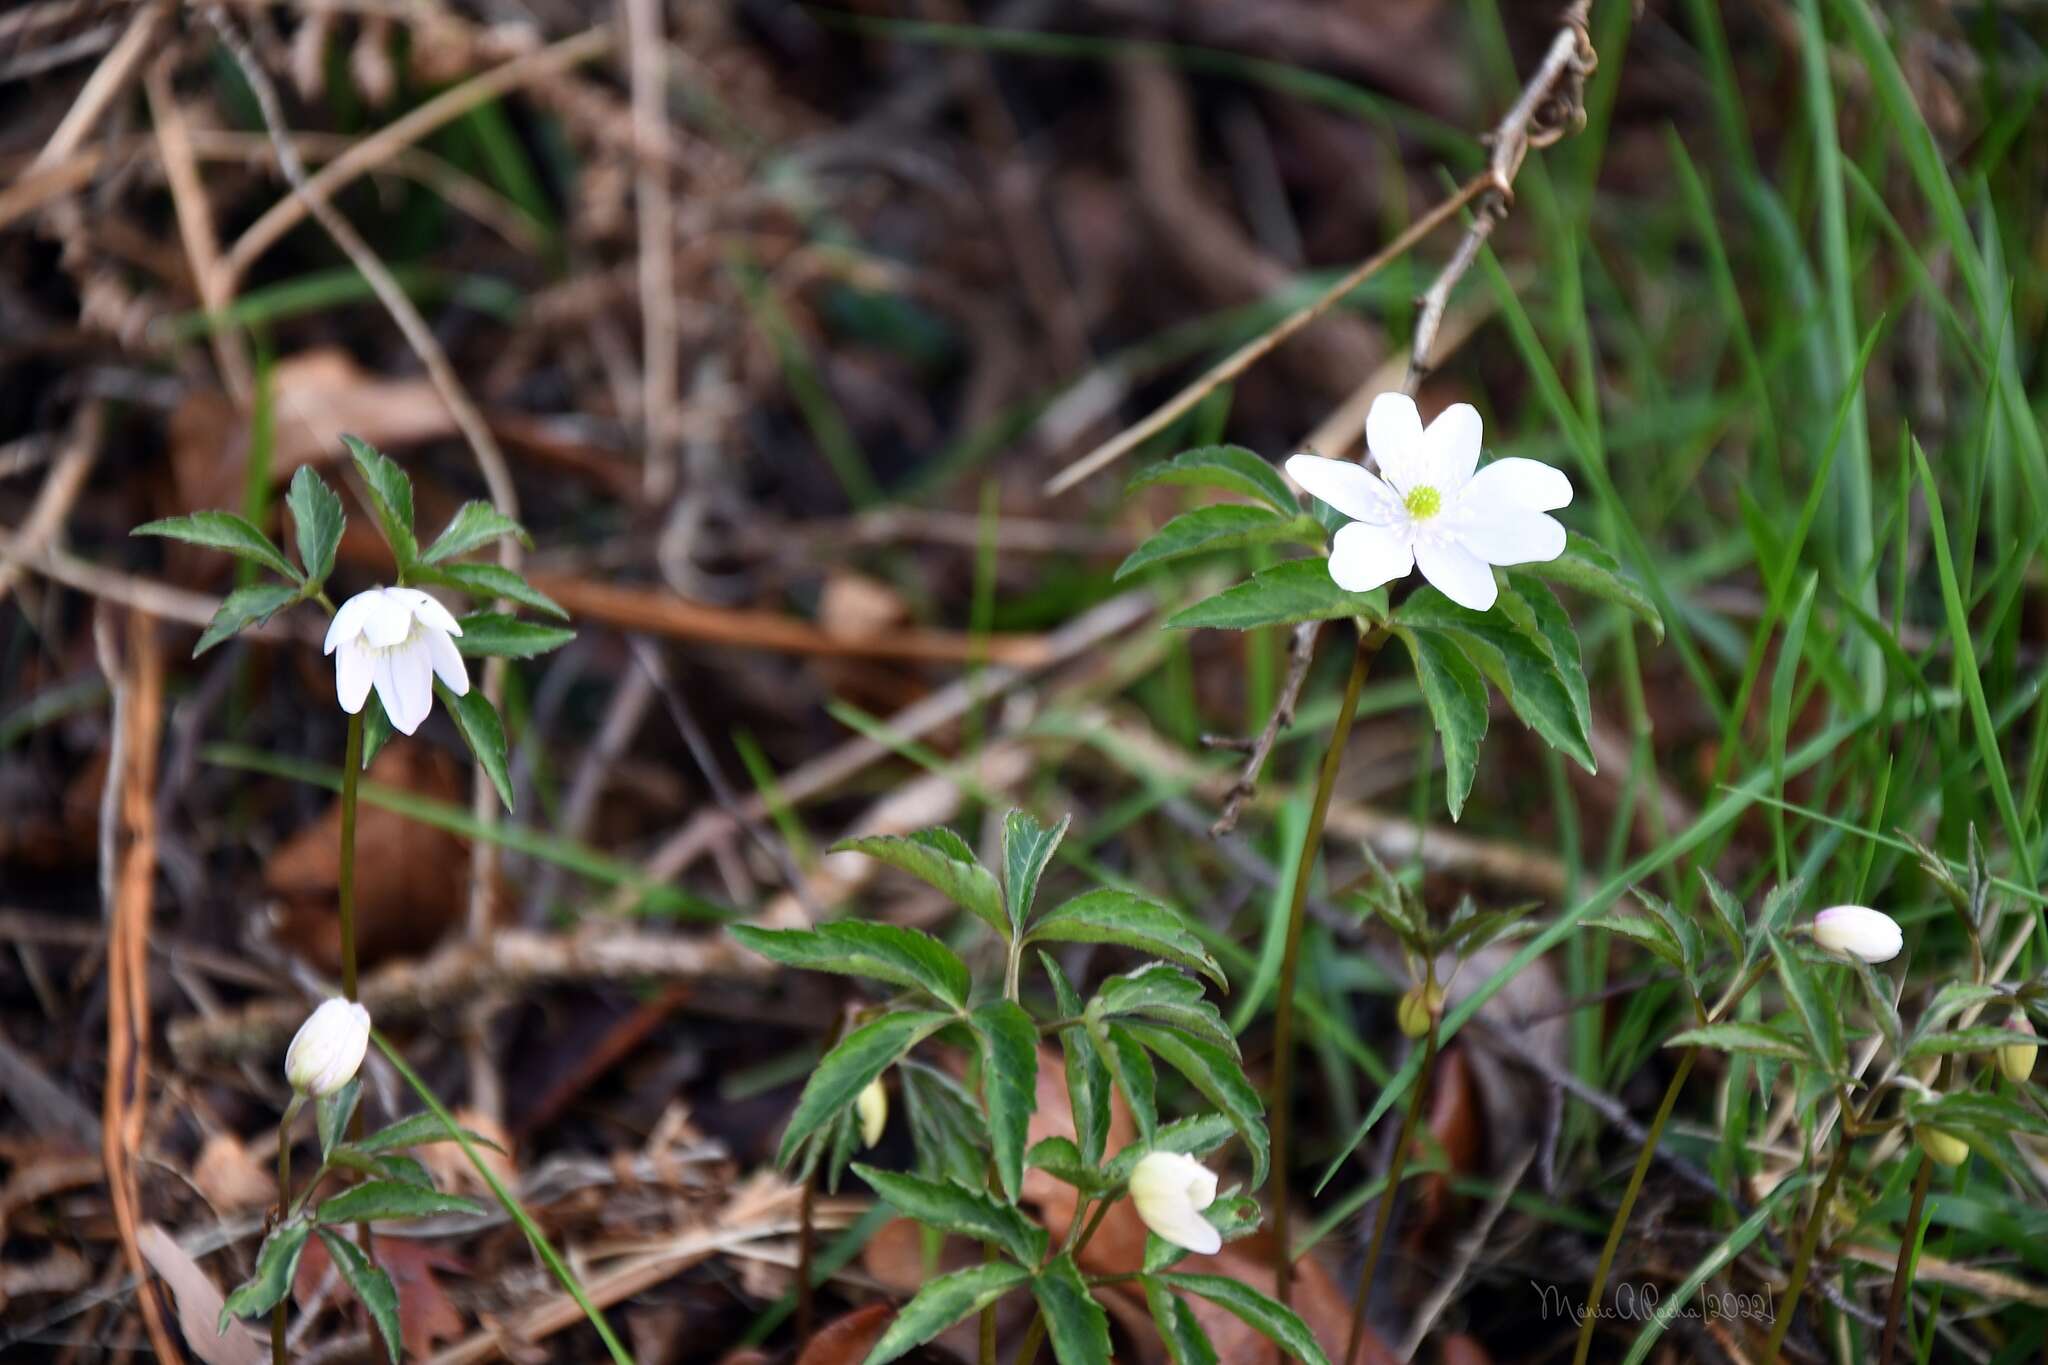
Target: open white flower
x=1170 y=1190
x=872 y=1108
x=1427 y=507
x=398 y=639
x=1858 y=931
x=328 y=1048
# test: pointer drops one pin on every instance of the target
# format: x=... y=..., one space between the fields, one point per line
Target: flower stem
x=1290 y=961
x=1894 y=1310
x=1628 y=1202
x=1033 y=1339
x=1417 y=1097
x=1804 y=1261
x=284 y=1210
x=345 y=901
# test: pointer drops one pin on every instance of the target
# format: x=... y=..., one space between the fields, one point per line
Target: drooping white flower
x=1858 y=931
x=872 y=1106
x=397 y=639
x=328 y=1048
x=1428 y=508
x=1170 y=1190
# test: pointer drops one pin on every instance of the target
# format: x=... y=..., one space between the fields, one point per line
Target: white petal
x=1393 y=432
x=1351 y=488
x=1364 y=556
x=1456 y=572
x=389 y=619
x=1501 y=534
x=405 y=685
x=348 y=622
x=1450 y=448
x=448 y=664
x=1184 y=1227
x=431 y=613
x=1525 y=483
x=352 y=676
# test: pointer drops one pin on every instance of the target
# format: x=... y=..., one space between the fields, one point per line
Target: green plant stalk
x=1628 y=1202
x=1033 y=1339
x=345 y=901
x=1807 y=1241
x=284 y=1209
x=1290 y=960
x=805 y=1236
x=1894 y=1310
x=1395 y=1166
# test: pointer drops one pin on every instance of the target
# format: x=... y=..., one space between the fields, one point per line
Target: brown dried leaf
x=199 y=1303
x=229 y=1178
x=848 y=1340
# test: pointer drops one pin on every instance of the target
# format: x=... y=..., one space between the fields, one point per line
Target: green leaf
x=1456 y=696
x=946 y=1125
x=1729 y=920
x=1197 y=1136
x=331 y=1113
x=1059 y=1158
x=474 y=524
x=1132 y=1067
x=371 y=1285
x=943 y=1302
x=488 y=582
x=477 y=719
x=1165 y=995
x=376 y=728
x=416 y=1130
x=1298 y=590
x=1186 y=1342
x=391 y=1199
x=1650 y=933
x=1737 y=1036
x=1970 y=1040
x=1223 y=527
x=277 y=1260
x=1107 y=915
x=317 y=521
x=242 y=608
x=1221 y=1080
x=1087 y=1073
x=953 y=1208
x=224 y=531
x=1009 y=1058
x=1816 y=1009
x=1535 y=611
x=1074 y=1322
x=939 y=858
x=1027 y=847
x=1231 y=467
x=1264 y=1316
x=1519 y=662
x=1587 y=567
x=886 y=952
x=1683 y=931
x=491 y=633
x=408 y=1169
x=1952 y=999
x=846 y=1070
x=390 y=495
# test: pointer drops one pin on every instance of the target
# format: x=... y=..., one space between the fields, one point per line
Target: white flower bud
x=872 y=1104
x=1170 y=1191
x=1858 y=931
x=328 y=1048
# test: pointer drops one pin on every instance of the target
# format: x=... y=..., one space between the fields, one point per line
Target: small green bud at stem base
x=1418 y=1006
x=1944 y=1149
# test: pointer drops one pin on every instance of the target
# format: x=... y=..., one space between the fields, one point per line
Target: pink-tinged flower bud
x=328 y=1048
x=1858 y=931
x=2016 y=1060
x=1170 y=1190
x=872 y=1106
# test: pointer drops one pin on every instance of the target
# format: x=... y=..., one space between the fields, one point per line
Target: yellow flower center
x=1424 y=502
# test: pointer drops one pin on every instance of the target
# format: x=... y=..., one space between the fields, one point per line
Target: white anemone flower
x=328 y=1048
x=1428 y=508
x=398 y=639
x=1858 y=931
x=1170 y=1190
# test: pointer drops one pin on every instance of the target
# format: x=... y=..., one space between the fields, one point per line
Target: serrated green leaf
x=390 y=497
x=474 y=524
x=218 y=530
x=954 y=1208
x=1108 y=915
x=1087 y=1074
x=1588 y=568
x=493 y=634
x=1166 y=995
x=1298 y=590
x=411 y=1170
x=1231 y=467
x=941 y=859
x=243 y=608
x=946 y=1125
x=1223 y=527
x=1263 y=1315
x=331 y=1113
x=943 y=1302
x=1027 y=847
x=486 y=582
x=1683 y=931
x=1186 y=1342
x=1534 y=609
x=1059 y=1158
x=1196 y=1136
x=1651 y=934
x=1131 y=1065
x=1216 y=1074
x=1009 y=1059
x=846 y=1070
x=277 y=1261
x=373 y=1288
x=885 y=952
x=1952 y=999
x=317 y=522
x=477 y=719
x=1729 y=920
x=1075 y=1323
x=1518 y=660
x=1456 y=696
x=1737 y=1036
x=1815 y=1008
x=1969 y=1040
x=391 y=1199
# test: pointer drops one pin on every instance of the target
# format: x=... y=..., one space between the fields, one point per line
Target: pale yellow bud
x=2016 y=1060
x=1418 y=1007
x=1944 y=1149
x=872 y=1106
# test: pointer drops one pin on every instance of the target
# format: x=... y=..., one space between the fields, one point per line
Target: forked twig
x=1301 y=652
